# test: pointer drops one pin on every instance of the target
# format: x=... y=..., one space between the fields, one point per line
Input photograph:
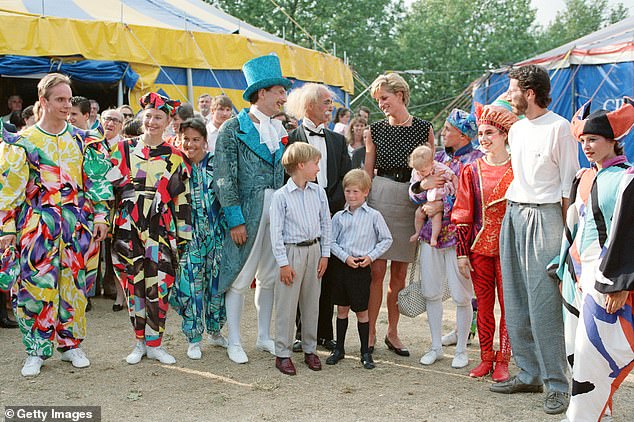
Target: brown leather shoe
x=285 y=365
x=313 y=362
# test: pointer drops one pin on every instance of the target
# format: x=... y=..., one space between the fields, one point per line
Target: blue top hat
x=263 y=72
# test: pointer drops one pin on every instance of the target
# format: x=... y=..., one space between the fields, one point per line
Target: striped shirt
x=299 y=215
x=359 y=233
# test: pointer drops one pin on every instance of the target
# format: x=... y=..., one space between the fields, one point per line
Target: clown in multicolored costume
x=597 y=273
x=52 y=206
x=196 y=295
x=152 y=224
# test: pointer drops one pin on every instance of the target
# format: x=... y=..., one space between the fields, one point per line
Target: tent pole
x=190 y=86
x=573 y=90
x=120 y=94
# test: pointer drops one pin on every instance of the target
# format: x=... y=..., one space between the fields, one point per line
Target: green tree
x=452 y=43
x=579 y=18
x=363 y=29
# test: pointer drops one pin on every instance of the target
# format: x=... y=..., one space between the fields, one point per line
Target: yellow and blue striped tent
x=183 y=47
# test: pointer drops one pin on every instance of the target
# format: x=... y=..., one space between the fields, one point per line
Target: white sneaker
x=77 y=357
x=432 y=356
x=193 y=351
x=32 y=366
x=266 y=346
x=450 y=339
x=137 y=353
x=460 y=360
x=160 y=354
x=218 y=341
x=236 y=354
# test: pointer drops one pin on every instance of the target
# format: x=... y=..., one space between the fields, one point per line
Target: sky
x=547 y=9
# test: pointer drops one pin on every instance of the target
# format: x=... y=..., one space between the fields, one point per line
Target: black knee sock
x=342 y=327
x=364 y=335
x=3 y=306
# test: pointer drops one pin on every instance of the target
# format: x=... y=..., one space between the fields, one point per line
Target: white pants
x=261 y=263
x=438 y=265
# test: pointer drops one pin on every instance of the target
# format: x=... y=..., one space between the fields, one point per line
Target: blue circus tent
x=597 y=67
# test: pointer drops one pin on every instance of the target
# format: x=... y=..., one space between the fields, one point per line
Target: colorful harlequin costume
x=477 y=214
x=196 y=296
x=593 y=264
x=52 y=192
x=152 y=224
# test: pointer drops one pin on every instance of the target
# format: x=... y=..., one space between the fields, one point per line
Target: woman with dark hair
x=342 y=118
x=196 y=297
x=152 y=224
x=388 y=147
x=477 y=214
x=182 y=113
x=598 y=284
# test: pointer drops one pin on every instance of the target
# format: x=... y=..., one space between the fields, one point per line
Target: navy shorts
x=350 y=286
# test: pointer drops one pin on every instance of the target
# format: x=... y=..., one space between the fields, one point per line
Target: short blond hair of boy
x=357 y=178
x=421 y=156
x=298 y=153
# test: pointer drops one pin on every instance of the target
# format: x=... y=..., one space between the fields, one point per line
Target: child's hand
x=287 y=275
x=352 y=262
x=364 y=261
x=321 y=267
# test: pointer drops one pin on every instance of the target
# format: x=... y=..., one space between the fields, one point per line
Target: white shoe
x=160 y=354
x=32 y=366
x=450 y=339
x=432 y=356
x=265 y=346
x=137 y=353
x=236 y=354
x=460 y=360
x=218 y=341
x=77 y=357
x=193 y=351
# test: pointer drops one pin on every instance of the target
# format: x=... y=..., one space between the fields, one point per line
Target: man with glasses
x=126 y=111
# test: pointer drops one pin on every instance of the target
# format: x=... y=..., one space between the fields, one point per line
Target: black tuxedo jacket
x=337 y=163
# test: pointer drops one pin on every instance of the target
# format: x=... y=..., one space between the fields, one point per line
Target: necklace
x=501 y=163
x=406 y=121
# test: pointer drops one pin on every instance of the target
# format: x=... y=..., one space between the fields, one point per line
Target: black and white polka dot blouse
x=394 y=144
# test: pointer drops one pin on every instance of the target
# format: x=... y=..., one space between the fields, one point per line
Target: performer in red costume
x=477 y=214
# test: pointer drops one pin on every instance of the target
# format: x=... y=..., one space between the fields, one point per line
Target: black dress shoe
x=327 y=344
x=400 y=352
x=88 y=305
x=117 y=307
x=367 y=361
x=8 y=323
x=335 y=357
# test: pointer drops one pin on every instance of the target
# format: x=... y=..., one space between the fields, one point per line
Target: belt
x=305 y=242
x=398 y=175
x=532 y=205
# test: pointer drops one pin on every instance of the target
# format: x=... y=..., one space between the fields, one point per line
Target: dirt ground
x=214 y=388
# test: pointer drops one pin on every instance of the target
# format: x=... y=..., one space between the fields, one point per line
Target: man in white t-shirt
x=545 y=160
x=220 y=111
x=204 y=106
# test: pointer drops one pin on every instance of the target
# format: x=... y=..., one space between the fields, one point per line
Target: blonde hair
x=299 y=99
x=358 y=178
x=393 y=83
x=298 y=153
x=49 y=81
x=350 y=128
x=421 y=156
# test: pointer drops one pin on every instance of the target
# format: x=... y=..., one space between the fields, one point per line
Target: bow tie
x=313 y=133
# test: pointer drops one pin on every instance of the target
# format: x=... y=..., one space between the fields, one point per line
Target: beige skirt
x=391 y=199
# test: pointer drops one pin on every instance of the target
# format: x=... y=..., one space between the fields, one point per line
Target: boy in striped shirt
x=300 y=236
x=359 y=236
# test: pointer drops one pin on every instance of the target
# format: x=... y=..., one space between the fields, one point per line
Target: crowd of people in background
x=172 y=206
